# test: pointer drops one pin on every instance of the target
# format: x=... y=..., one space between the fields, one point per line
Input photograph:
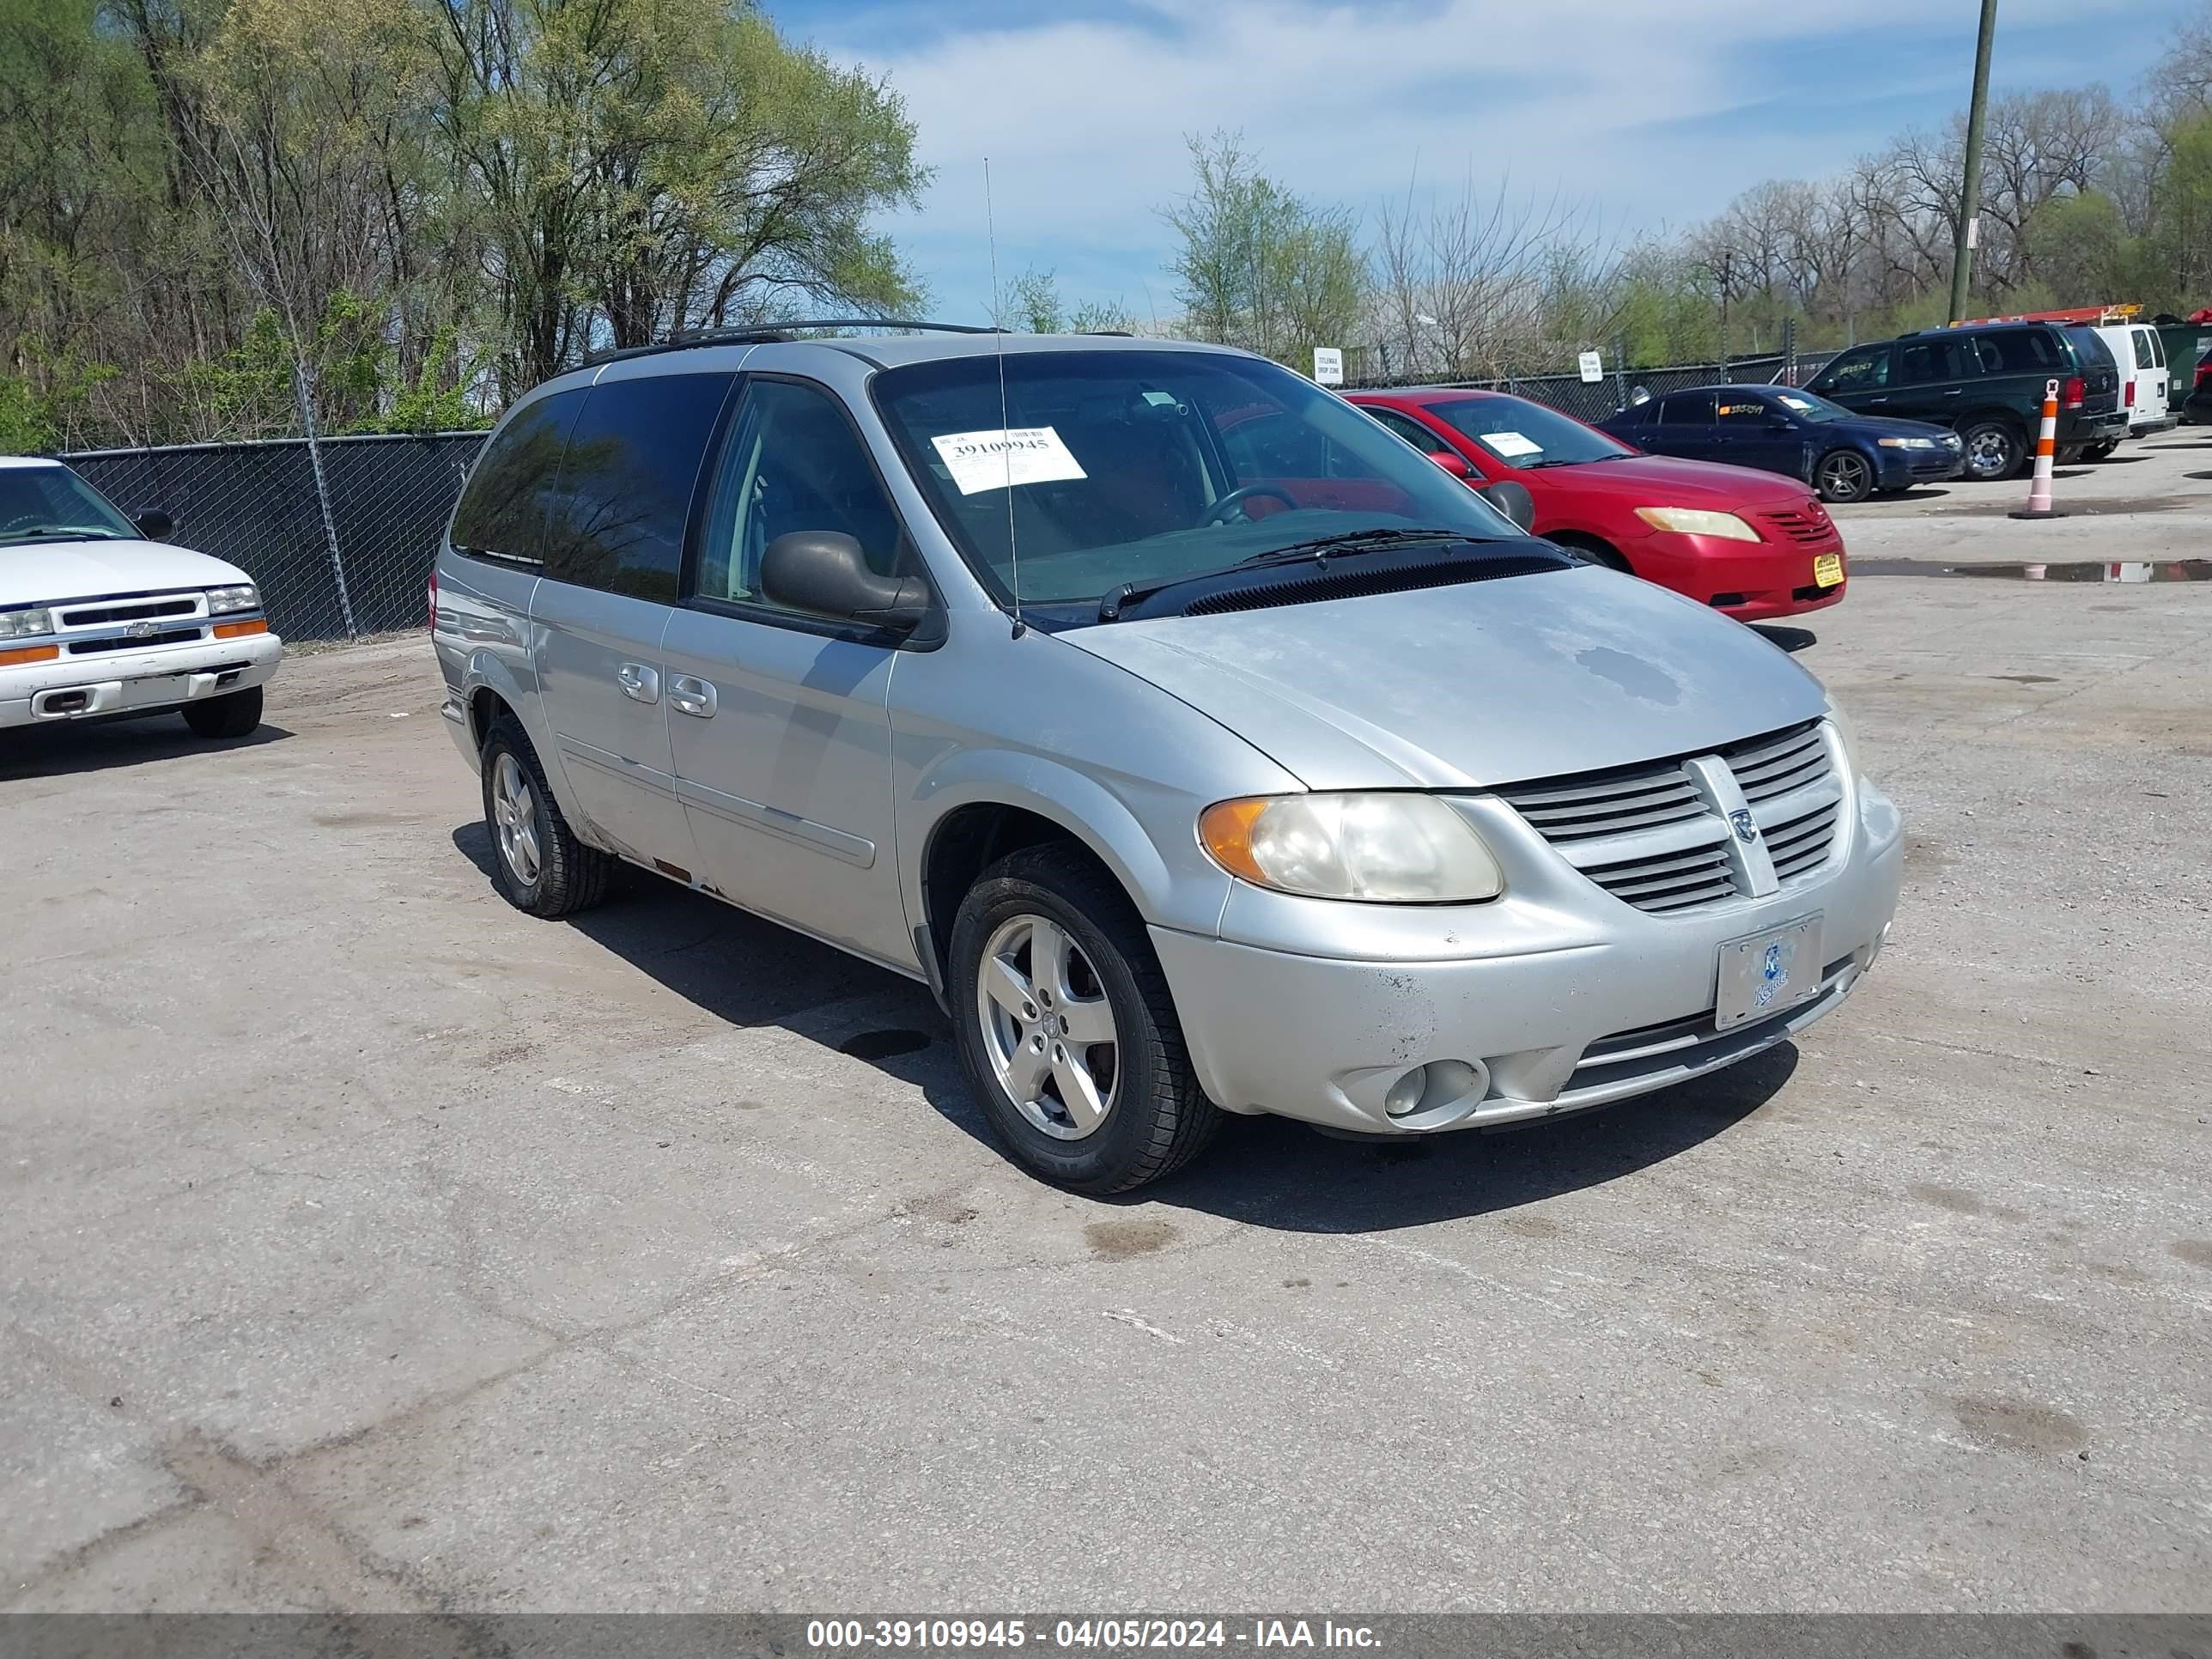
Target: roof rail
x=768 y=333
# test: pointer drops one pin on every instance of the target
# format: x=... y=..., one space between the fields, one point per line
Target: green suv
x=1987 y=384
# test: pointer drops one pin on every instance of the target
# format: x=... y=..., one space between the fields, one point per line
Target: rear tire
x=233 y=714
x=538 y=864
x=1995 y=451
x=1152 y=1116
x=1843 y=475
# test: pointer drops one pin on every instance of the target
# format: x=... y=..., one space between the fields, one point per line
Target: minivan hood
x=1487 y=683
x=48 y=572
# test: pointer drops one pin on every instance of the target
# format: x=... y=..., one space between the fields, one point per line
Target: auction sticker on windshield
x=1017 y=455
x=1509 y=444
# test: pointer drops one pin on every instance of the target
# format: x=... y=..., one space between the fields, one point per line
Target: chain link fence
x=340 y=535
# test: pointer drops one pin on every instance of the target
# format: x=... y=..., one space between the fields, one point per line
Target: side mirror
x=156 y=524
x=1511 y=499
x=823 y=572
x=1454 y=462
x=1778 y=422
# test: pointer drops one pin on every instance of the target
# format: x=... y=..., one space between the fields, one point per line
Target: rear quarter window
x=501 y=513
x=2023 y=351
x=2145 y=356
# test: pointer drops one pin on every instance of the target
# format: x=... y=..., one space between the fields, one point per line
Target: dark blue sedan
x=1846 y=456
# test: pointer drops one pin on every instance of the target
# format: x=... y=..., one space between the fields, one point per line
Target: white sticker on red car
x=1510 y=444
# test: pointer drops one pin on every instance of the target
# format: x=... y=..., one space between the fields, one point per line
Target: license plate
x=1763 y=974
x=1828 y=569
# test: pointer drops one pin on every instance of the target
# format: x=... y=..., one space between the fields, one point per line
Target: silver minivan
x=1201 y=745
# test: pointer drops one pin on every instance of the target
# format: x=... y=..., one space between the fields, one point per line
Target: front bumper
x=134 y=682
x=1563 y=995
x=1751 y=582
x=1901 y=468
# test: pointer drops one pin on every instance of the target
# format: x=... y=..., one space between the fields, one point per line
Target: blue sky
x=1648 y=115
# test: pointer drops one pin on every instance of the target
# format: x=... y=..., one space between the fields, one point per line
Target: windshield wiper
x=1317 y=550
x=64 y=533
x=1353 y=541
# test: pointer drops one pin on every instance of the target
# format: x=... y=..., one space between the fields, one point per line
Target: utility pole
x=1970 y=190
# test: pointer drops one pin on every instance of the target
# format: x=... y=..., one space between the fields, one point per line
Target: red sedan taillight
x=2074 y=393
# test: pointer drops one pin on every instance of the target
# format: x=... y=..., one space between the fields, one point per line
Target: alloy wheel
x=1989 y=453
x=1047 y=1027
x=1843 y=478
x=515 y=814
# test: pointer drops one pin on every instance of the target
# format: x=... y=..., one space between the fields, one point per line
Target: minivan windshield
x=1141 y=468
x=1525 y=435
x=52 y=504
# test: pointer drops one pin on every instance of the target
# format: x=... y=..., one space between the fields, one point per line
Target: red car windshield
x=1525 y=434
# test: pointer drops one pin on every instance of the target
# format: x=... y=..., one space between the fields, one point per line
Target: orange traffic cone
x=2047 y=445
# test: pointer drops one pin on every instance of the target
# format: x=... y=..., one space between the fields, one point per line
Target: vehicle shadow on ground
x=66 y=747
x=1272 y=1172
x=1268 y=1172
x=1786 y=638
x=2118 y=460
x=1924 y=493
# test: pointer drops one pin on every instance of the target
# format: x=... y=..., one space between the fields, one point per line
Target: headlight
x=1693 y=521
x=1842 y=722
x=25 y=624
x=241 y=598
x=1386 y=848
x=1907 y=443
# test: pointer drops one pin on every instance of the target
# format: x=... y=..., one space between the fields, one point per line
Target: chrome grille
x=184 y=604
x=1604 y=804
x=1770 y=766
x=1657 y=835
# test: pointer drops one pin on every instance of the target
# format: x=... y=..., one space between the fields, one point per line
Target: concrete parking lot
x=367 y=1244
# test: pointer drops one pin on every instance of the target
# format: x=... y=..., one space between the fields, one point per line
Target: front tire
x=1066 y=1027
x=233 y=714
x=1843 y=475
x=538 y=863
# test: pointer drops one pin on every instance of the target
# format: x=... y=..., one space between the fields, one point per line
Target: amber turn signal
x=29 y=654
x=240 y=629
x=1225 y=827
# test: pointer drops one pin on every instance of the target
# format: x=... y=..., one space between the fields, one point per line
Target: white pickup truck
x=98 y=618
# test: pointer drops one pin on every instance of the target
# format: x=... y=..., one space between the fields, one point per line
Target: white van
x=2140 y=354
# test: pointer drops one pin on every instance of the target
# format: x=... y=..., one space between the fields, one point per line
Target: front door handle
x=688 y=695
x=639 y=683
x=1956 y=392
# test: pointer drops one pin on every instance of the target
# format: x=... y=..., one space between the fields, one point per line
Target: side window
x=2144 y=359
x=1744 y=412
x=1925 y=362
x=1855 y=371
x=625 y=490
x=792 y=462
x=2022 y=351
x=1686 y=409
x=2157 y=346
x=1410 y=430
x=502 y=510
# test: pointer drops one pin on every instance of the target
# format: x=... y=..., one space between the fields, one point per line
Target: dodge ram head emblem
x=1741 y=822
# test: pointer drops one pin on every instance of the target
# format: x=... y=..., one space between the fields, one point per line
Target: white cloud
x=1084 y=120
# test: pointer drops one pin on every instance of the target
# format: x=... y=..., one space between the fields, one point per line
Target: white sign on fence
x=1593 y=368
x=1328 y=365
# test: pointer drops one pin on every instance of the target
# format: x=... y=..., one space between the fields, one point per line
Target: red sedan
x=1754 y=544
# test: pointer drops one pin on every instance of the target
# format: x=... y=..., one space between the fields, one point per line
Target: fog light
x=1405 y=1095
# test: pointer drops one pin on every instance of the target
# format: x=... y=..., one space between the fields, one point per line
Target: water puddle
x=2127 y=571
